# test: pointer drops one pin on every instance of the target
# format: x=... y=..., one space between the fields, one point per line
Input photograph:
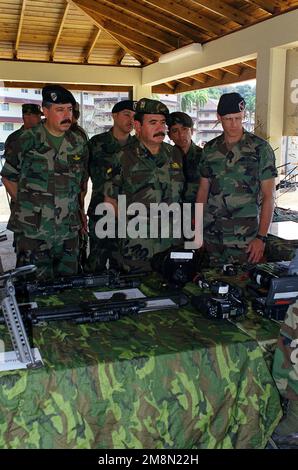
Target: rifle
x=101 y=311
x=110 y=279
x=13 y=319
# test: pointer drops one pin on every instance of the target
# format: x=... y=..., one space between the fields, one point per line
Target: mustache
x=66 y=121
x=162 y=134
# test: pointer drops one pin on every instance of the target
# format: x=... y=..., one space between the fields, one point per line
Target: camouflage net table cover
x=164 y=380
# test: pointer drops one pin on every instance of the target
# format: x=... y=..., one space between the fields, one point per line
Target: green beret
x=147 y=106
x=179 y=118
x=30 y=108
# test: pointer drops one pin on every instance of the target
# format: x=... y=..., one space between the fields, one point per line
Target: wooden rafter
x=217 y=74
x=157 y=17
x=199 y=77
x=190 y=16
x=128 y=21
x=119 y=55
x=124 y=32
x=229 y=12
x=17 y=43
x=186 y=81
x=137 y=51
x=268 y=6
x=92 y=44
x=52 y=54
x=234 y=69
x=250 y=63
x=247 y=74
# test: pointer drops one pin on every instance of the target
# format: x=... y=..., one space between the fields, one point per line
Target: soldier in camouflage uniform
x=147 y=171
x=285 y=373
x=31 y=116
x=180 y=127
x=75 y=127
x=236 y=169
x=45 y=173
x=102 y=148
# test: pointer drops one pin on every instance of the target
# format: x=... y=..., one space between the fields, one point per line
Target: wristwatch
x=262 y=237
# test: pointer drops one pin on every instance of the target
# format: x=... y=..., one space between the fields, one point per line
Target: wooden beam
x=52 y=53
x=268 y=6
x=69 y=86
x=161 y=19
x=139 y=53
x=17 y=43
x=186 y=81
x=250 y=63
x=217 y=74
x=190 y=16
x=92 y=44
x=221 y=8
x=199 y=77
x=247 y=74
x=128 y=21
x=234 y=69
x=126 y=33
x=119 y=55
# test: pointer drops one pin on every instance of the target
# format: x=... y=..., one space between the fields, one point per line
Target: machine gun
x=13 y=319
x=101 y=311
x=110 y=279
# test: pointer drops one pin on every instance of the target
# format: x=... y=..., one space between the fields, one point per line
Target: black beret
x=230 y=103
x=179 y=118
x=57 y=94
x=125 y=104
x=30 y=108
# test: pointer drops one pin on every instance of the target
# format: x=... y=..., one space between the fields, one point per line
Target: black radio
x=224 y=301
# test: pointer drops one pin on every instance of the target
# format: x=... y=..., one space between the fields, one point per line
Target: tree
x=194 y=99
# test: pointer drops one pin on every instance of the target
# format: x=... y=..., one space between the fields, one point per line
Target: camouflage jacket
x=235 y=176
x=12 y=137
x=144 y=177
x=102 y=148
x=285 y=363
x=191 y=161
x=49 y=183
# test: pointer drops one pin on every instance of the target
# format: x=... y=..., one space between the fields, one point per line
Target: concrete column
x=271 y=67
x=141 y=91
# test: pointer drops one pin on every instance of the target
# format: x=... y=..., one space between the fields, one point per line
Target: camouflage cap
x=147 y=106
x=125 y=104
x=179 y=118
x=30 y=108
x=57 y=94
x=230 y=103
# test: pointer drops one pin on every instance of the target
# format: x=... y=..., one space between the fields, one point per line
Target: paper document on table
x=9 y=360
x=129 y=293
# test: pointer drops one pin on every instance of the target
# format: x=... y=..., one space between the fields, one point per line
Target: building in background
x=95 y=109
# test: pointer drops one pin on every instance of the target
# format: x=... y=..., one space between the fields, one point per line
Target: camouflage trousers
x=222 y=254
x=51 y=259
x=101 y=249
x=285 y=362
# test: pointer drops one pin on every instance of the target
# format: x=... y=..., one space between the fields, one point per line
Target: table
x=161 y=380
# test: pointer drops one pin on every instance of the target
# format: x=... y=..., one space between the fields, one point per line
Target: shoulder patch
x=176 y=165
